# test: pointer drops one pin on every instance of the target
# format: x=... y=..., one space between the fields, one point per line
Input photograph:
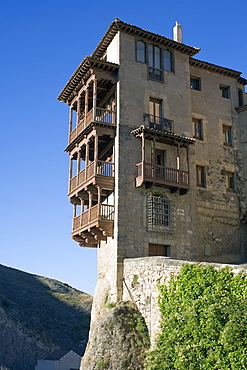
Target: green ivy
x=204 y=321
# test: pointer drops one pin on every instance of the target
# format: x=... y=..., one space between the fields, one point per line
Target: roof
x=94 y=60
x=57 y=354
x=118 y=25
x=242 y=109
x=217 y=69
x=81 y=72
x=162 y=134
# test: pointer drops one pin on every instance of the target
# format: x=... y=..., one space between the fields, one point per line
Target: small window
x=168 y=60
x=141 y=51
x=200 y=176
x=197 y=129
x=207 y=250
x=159 y=250
x=230 y=181
x=227 y=135
x=195 y=83
x=225 y=91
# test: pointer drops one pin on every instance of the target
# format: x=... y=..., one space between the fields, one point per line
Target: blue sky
x=42 y=43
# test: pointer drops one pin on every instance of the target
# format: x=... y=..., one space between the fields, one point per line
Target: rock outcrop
x=118 y=340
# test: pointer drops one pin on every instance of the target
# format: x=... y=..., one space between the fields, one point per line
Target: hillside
x=38 y=315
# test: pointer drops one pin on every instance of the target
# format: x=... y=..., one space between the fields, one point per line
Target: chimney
x=177 y=33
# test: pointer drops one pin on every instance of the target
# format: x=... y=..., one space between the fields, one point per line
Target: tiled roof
x=242 y=109
x=118 y=25
x=166 y=134
x=217 y=69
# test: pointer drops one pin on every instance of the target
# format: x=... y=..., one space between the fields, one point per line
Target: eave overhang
x=217 y=69
x=118 y=25
x=79 y=75
x=85 y=132
x=162 y=136
x=242 y=109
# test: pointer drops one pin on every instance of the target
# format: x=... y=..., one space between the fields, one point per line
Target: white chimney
x=178 y=33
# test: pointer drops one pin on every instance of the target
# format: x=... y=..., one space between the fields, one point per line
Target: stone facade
x=179 y=146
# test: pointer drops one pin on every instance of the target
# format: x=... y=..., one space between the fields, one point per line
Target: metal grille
x=160 y=213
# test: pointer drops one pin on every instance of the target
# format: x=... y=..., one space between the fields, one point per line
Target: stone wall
x=141 y=277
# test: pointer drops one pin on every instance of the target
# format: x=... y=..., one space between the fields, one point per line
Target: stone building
x=158 y=154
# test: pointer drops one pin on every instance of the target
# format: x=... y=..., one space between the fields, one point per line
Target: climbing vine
x=204 y=321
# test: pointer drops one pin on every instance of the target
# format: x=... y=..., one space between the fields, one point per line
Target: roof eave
x=118 y=25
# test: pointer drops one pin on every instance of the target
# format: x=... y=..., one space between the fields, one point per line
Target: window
x=154 y=62
x=168 y=60
x=200 y=176
x=195 y=83
x=230 y=181
x=141 y=51
x=240 y=98
x=160 y=213
x=227 y=135
x=157 y=58
x=197 y=129
x=159 y=250
x=225 y=91
x=207 y=250
x=155 y=112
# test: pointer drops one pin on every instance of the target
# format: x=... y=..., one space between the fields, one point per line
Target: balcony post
x=95 y=153
x=86 y=158
x=188 y=164
x=99 y=201
x=90 y=205
x=94 y=98
x=82 y=210
x=154 y=160
x=86 y=102
x=143 y=157
x=78 y=110
x=178 y=164
x=78 y=166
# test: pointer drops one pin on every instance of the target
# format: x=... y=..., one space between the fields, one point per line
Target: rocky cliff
x=118 y=340
x=38 y=315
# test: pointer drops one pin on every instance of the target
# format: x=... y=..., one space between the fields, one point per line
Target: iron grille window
x=160 y=213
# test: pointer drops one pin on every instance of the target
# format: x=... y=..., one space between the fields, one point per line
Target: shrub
x=204 y=321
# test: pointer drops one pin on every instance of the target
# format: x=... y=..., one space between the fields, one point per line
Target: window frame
x=200 y=176
x=225 y=91
x=230 y=181
x=155 y=73
x=171 y=61
x=198 y=86
x=197 y=135
x=144 y=61
x=227 y=138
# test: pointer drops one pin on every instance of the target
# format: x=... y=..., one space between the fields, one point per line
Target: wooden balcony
x=160 y=175
x=100 y=173
x=101 y=115
x=93 y=225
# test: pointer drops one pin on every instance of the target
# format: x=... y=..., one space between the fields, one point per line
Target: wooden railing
x=102 y=169
x=98 y=212
x=101 y=115
x=161 y=174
